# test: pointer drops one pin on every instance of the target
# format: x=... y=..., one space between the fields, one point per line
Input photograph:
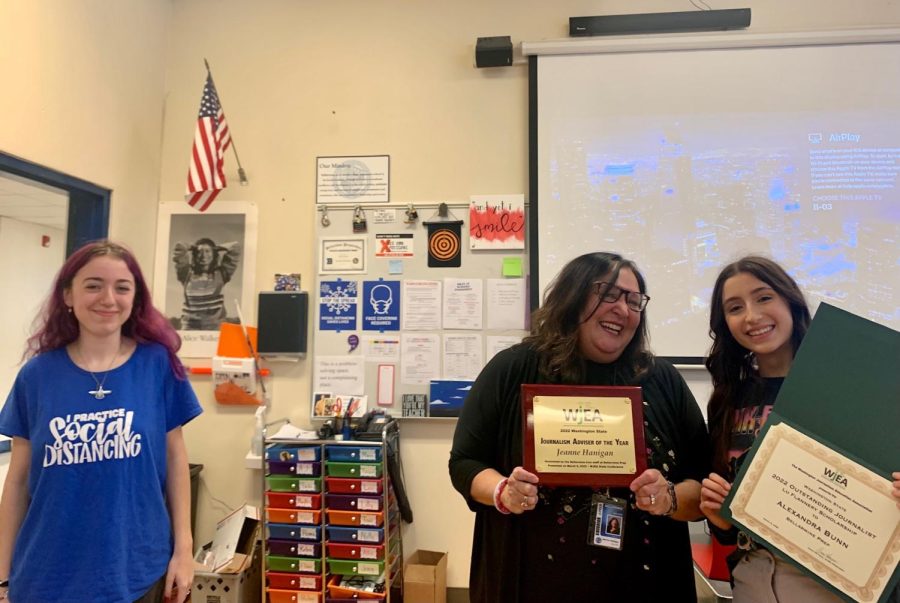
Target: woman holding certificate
x=535 y=543
x=758 y=317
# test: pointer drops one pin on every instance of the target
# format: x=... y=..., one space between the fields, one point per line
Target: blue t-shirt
x=97 y=527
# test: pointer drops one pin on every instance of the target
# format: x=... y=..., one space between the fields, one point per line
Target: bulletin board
x=360 y=340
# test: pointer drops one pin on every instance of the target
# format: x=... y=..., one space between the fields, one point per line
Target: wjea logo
x=581 y=415
x=834 y=476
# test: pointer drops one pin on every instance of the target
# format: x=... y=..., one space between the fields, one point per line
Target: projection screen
x=684 y=153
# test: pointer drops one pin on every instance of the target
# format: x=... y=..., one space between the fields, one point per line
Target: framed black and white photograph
x=205 y=270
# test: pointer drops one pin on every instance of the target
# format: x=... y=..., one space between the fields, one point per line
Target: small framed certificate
x=589 y=436
x=342 y=255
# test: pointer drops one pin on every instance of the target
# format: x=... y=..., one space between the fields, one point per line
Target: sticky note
x=512 y=266
x=395 y=266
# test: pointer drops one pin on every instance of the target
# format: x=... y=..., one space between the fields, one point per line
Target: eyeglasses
x=635 y=300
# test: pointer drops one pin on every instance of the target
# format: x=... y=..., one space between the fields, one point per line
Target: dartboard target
x=444 y=245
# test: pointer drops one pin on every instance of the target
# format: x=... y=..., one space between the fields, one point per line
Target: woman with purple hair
x=96 y=503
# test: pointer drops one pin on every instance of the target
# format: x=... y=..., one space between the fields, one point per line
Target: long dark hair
x=554 y=330
x=731 y=364
x=214 y=262
x=56 y=327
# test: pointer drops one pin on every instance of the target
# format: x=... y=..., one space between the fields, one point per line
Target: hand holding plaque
x=590 y=436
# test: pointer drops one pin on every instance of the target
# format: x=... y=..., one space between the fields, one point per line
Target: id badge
x=607 y=525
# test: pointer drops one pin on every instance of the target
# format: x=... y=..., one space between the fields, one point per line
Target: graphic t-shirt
x=749 y=419
x=97 y=527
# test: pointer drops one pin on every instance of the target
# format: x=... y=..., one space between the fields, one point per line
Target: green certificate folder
x=815 y=487
x=844 y=386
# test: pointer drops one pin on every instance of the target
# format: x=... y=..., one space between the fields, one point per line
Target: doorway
x=44 y=216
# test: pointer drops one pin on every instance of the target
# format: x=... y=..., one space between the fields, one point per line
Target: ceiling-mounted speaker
x=697 y=20
x=494 y=51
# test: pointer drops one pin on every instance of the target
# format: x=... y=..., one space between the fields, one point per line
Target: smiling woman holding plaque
x=537 y=542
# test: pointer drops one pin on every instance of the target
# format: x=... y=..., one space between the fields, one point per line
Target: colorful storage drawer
x=293 y=468
x=352 y=469
x=277 y=563
x=343 y=485
x=293 y=596
x=285 y=483
x=365 y=454
x=293 y=516
x=287 y=500
x=367 y=535
x=341 y=594
x=286 y=453
x=294 y=581
x=294 y=548
x=354 y=518
x=362 y=568
x=349 y=502
x=291 y=531
x=338 y=550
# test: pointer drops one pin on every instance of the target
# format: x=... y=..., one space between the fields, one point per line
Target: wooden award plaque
x=583 y=435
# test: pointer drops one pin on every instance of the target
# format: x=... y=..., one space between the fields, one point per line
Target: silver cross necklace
x=99 y=393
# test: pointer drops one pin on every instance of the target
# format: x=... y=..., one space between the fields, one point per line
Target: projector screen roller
x=686 y=160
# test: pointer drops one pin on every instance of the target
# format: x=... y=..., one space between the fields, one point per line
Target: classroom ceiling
x=29 y=201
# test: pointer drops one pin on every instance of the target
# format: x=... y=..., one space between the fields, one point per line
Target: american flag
x=206 y=176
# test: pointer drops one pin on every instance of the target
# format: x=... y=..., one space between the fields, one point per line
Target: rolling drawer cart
x=331 y=521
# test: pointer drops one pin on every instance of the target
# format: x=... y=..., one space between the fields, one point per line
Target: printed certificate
x=583 y=435
x=342 y=255
x=828 y=513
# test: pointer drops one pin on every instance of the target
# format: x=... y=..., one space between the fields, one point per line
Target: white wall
x=83 y=85
x=300 y=79
x=29 y=269
x=380 y=77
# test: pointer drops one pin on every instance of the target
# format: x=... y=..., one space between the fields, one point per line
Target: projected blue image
x=682 y=211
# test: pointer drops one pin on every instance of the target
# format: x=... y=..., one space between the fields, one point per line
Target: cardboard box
x=232 y=545
x=425 y=578
x=242 y=587
x=228 y=569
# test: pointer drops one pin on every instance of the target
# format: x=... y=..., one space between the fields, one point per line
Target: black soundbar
x=698 y=20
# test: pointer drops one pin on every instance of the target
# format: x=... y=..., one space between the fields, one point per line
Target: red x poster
x=398 y=245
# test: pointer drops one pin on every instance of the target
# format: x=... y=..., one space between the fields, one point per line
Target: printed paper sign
x=394 y=245
x=357 y=179
x=381 y=305
x=337 y=305
x=497 y=222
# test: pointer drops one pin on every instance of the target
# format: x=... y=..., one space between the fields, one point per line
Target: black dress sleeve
x=682 y=424
x=487 y=431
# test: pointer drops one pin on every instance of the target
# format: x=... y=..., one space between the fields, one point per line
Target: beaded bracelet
x=498 y=491
x=674 y=505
